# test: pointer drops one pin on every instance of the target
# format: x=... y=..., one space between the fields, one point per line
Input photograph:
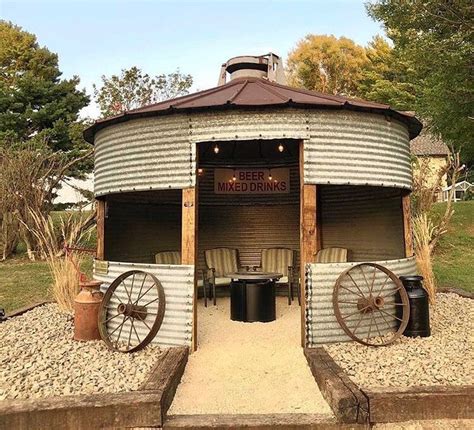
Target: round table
x=252 y=296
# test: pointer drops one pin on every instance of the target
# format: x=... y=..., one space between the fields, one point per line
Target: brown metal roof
x=253 y=93
x=427 y=144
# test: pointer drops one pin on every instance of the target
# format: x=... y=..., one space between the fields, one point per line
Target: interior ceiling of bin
x=250 y=92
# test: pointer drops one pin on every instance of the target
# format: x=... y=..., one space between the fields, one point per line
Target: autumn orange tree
x=327 y=64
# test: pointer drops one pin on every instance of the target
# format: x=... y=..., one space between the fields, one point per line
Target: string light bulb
x=216 y=149
x=270 y=177
x=281 y=148
x=200 y=171
x=234 y=178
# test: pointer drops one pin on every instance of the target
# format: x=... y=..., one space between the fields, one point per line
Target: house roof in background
x=427 y=144
x=255 y=93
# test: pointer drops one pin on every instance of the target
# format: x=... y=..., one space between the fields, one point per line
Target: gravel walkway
x=445 y=358
x=248 y=368
x=38 y=358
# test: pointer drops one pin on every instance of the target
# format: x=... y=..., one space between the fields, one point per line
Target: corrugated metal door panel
x=254 y=124
x=144 y=154
x=321 y=324
x=178 y=283
x=366 y=220
x=357 y=148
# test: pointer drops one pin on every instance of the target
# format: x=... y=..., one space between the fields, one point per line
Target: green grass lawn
x=23 y=282
x=454 y=257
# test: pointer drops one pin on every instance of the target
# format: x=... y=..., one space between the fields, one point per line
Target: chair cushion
x=277 y=260
x=168 y=257
x=223 y=281
x=223 y=260
x=332 y=255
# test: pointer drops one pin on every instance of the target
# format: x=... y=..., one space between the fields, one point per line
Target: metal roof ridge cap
x=259 y=82
x=192 y=97
x=230 y=100
x=330 y=97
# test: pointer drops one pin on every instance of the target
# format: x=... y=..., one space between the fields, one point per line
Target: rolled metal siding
x=358 y=149
x=340 y=147
x=321 y=324
x=178 y=283
x=144 y=154
x=245 y=125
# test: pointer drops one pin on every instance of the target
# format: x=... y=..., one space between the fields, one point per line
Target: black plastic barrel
x=419 y=322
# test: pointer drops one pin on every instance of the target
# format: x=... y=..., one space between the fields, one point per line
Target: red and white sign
x=252 y=181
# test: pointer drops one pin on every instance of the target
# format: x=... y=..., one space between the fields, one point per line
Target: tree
x=386 y=78
x=34 y=100
x=134 y=89
x=435 y=38
x=30 y=174
x=327 y=64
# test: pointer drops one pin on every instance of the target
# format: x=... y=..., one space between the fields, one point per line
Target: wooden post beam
x=100 y=224
x=407 y=226
x=189 y=242
x=309 y=236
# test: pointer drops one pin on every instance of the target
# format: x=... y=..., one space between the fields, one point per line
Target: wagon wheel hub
x=370 y=304
x=132 y=310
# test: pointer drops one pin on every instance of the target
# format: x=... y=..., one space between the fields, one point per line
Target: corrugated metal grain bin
x=275 y=166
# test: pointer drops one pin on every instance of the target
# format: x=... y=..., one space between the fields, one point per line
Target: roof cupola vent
x=269 y=66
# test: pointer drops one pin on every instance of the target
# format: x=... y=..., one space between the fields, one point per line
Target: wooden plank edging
x=257 y=422
x=142 y=408
x=458 y=291
x=396 y=404
x=348 y=403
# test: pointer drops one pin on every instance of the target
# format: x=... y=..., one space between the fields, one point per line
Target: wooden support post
x=308 y=236
x=407 y=227
x=100 y=223
x=189 y=244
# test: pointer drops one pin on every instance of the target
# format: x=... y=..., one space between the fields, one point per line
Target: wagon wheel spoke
x=391 y=292
x=118 y=305
x=383 y=285
x=365 y=279
x=390 y=315
x=352 y=291
x=354 y=282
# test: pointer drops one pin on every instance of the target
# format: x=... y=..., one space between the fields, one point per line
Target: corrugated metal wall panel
x=252 y=124
x=340 y=147
x=144 y=154
x=358 y=149
x=135 y=232
x=367 y=221
x=249 y=229
x=178 y=283
x=321 y=324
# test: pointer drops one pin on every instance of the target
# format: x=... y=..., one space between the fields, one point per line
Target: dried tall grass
x=65 y=269
x=423 y=232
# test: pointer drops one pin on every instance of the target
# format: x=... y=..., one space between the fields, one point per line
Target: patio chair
x=220 y=262
x=281 y=260
x=332 y=255
x=168 y=257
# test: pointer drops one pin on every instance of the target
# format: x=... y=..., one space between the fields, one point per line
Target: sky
x=101 y=37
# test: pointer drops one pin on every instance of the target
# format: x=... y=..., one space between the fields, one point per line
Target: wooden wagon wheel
x=371 y=304
x=131 y=311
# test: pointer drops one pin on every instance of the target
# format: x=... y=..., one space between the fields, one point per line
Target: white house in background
x=460 y=189
x=70 y=191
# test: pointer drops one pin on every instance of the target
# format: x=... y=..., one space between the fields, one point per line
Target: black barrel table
x=252 y=296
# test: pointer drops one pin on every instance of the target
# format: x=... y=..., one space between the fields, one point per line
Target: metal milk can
x=86 y=311
x=419 y=322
